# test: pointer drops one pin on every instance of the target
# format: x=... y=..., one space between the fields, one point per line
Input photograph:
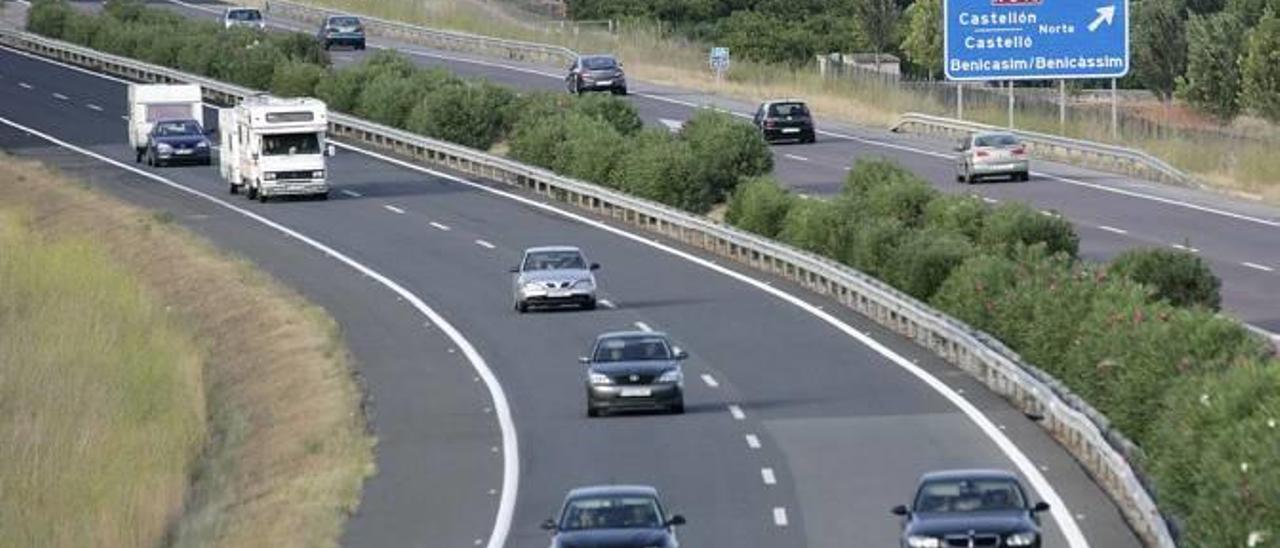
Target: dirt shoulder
x=278 y=449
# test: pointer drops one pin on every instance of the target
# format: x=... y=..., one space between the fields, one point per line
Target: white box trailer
x=275 y=147
x=151 y=102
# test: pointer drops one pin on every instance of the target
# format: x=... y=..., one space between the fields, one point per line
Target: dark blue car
x=613 y=516
x=177 y=141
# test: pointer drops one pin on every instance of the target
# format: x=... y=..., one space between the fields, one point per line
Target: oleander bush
x=1182 y=278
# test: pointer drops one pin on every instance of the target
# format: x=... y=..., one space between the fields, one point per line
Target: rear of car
x=785 y=120
x=985 y=155
x=243 y=17
x=597 y=73
x=342 y=30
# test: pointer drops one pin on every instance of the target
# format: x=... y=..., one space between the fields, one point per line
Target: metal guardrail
x=515 y=50
x=1075 y=425
x=1108 y=157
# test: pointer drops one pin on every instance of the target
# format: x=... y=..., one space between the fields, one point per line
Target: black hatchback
x=973 y=509
x=613 y=516
x=787 y=119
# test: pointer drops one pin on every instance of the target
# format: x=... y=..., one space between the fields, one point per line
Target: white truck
x=151 y=102
x=275 y=147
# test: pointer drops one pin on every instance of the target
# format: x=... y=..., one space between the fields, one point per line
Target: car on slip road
x=992 y=154
x=341 y=30
x=634 y=370
x=596 y=73
x=785 y=119
x=243 y=17
x=613 y=516
x=970 y=508
x=177 y=141
x=553 y=276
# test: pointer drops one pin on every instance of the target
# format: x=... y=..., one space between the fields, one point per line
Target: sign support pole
x=959 y=100
x=1010 y=104
x=1062 y=106
x=1115 y=116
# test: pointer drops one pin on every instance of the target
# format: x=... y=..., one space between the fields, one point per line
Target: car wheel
x=677 y=408
x=251 y=192
x=233 y=188
x=360 y=46
x=323 y=195
x=810 y=139
x=592 y=411
x=522 y=307
x=1024 y=176
x=619 y=91
x=140 y=154
x=262 y=196
x=589 y=305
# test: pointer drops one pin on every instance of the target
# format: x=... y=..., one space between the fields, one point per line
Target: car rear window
x=244 y=15
x=599 y=63
x=788 y=109
x=344 y=22
x=1002 y=140
x=177 y=127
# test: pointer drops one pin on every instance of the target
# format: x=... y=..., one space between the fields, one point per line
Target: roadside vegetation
x=1138 y=338
x=154 y=392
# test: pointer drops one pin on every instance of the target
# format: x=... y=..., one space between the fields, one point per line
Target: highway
x=1112 y=213
x=801 y=429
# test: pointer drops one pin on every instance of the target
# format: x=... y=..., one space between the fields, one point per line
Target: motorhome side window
x=282 y=144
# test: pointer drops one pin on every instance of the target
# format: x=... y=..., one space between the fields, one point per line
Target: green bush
x=341 y=89
x=975 y=289
x=663 y=169
x=467 y=114
x=538 y=141
x=591 y=149
x=387 y=99
x=116 y=39
x=619 y=113
x=533 y=107
x=759 y=205
x=904 y=200
x=1181 y=278
x=812 y=225
x=158 y=48
x=924 y=259
x=1010 y=225
x=296 y=79
x=963 y=214
x=299 y=47
x=125 y=10
x=388 y=61
x=727 y=149
x=871 y=174
x=253 y=66
x=80 y=29
x=871 y=243
x=49 y=17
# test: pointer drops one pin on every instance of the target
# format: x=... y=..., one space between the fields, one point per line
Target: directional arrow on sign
x=1106 y=14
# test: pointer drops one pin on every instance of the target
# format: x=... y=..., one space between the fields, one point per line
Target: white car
x=992 y=155
x=243 y=17
x=553 y=276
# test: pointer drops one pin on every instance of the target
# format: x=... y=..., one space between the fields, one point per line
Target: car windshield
x=1000 y=140
x=554 y=260
x=244 y=15
x=599 y=63
x=172 y=128
x=344 y=22
x=631 y=349
x=788 y=109
x=981 y=495
x=624 y=512
x=282 y=144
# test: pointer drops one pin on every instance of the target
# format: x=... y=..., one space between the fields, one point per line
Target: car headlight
x=674 y=375
x=599 y=378
x=1021 y=539
x=532 y=287
x=317 y=174
x=923 y=542
x=269 y=176
x=163 y=147
x=202 y=144
x=584 y=283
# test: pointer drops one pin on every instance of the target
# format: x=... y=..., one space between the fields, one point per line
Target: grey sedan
x=992 y=155
x=554 y=276
x=634 y=370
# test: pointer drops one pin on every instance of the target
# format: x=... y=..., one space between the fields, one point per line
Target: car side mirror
x=595 y=266
x=549 y=525
x=330 y=151
x=1040 y=507
x=514 y=270
x=900 y=510
x=959 y=148
x=584 y=360
x=680 y=354
x=676 y=520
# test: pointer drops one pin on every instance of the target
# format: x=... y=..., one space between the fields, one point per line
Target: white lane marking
x=1185 y=248
x=672 y=125
x=643 y=326
x=1112 y=229
x=485 y=244
x=60 y=97
x=1058 y=508
x=796 y=158
x=607 y=303
x=711 y=381
x=753 y=441
x=439 y=226
x=737 y=412
x=766 y=474
x=510 y=442
x=92 y=106
x=352 y=193
x=1257 y=266
x=780 y=516
x=1048 y=213
x=990 y=200
x=394 y=209
x=25 y=85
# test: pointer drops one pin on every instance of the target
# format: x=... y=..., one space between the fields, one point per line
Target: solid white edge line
x=711 y=381
x=510 y=443
x=753 y=441
x=393 y=209
x=485 y=244
x=1112 y=229
x=439 y=226
x=766 y=475
x=643 y=326
x=780 y=516
x=737 y=412
x=1185 y=248
x=1257 y=266
x=1058 y=509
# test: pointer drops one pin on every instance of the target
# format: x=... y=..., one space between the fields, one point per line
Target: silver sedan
x=554 y=276
x=992 y=155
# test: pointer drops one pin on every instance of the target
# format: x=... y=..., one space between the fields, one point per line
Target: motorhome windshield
x=287 y=144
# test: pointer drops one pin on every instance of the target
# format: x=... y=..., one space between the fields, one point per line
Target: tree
x=1214 y=46
x=1159 y=44
x=1260 y=69
x=923 y=42
x=877 y=22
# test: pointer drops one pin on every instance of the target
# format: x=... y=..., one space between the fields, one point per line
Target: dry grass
x=241 y=391
x=1245 y=165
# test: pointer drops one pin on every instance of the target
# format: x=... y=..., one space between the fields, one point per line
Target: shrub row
x=1137 y=338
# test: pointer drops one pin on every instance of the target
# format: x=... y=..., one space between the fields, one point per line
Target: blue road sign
x=1035 y=39
x=720 y=58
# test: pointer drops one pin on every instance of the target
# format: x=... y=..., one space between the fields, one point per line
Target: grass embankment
x=155 y=392
x=1240 y=165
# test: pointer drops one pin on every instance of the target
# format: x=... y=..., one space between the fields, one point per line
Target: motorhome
x=149 y=103
x=275 y=147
